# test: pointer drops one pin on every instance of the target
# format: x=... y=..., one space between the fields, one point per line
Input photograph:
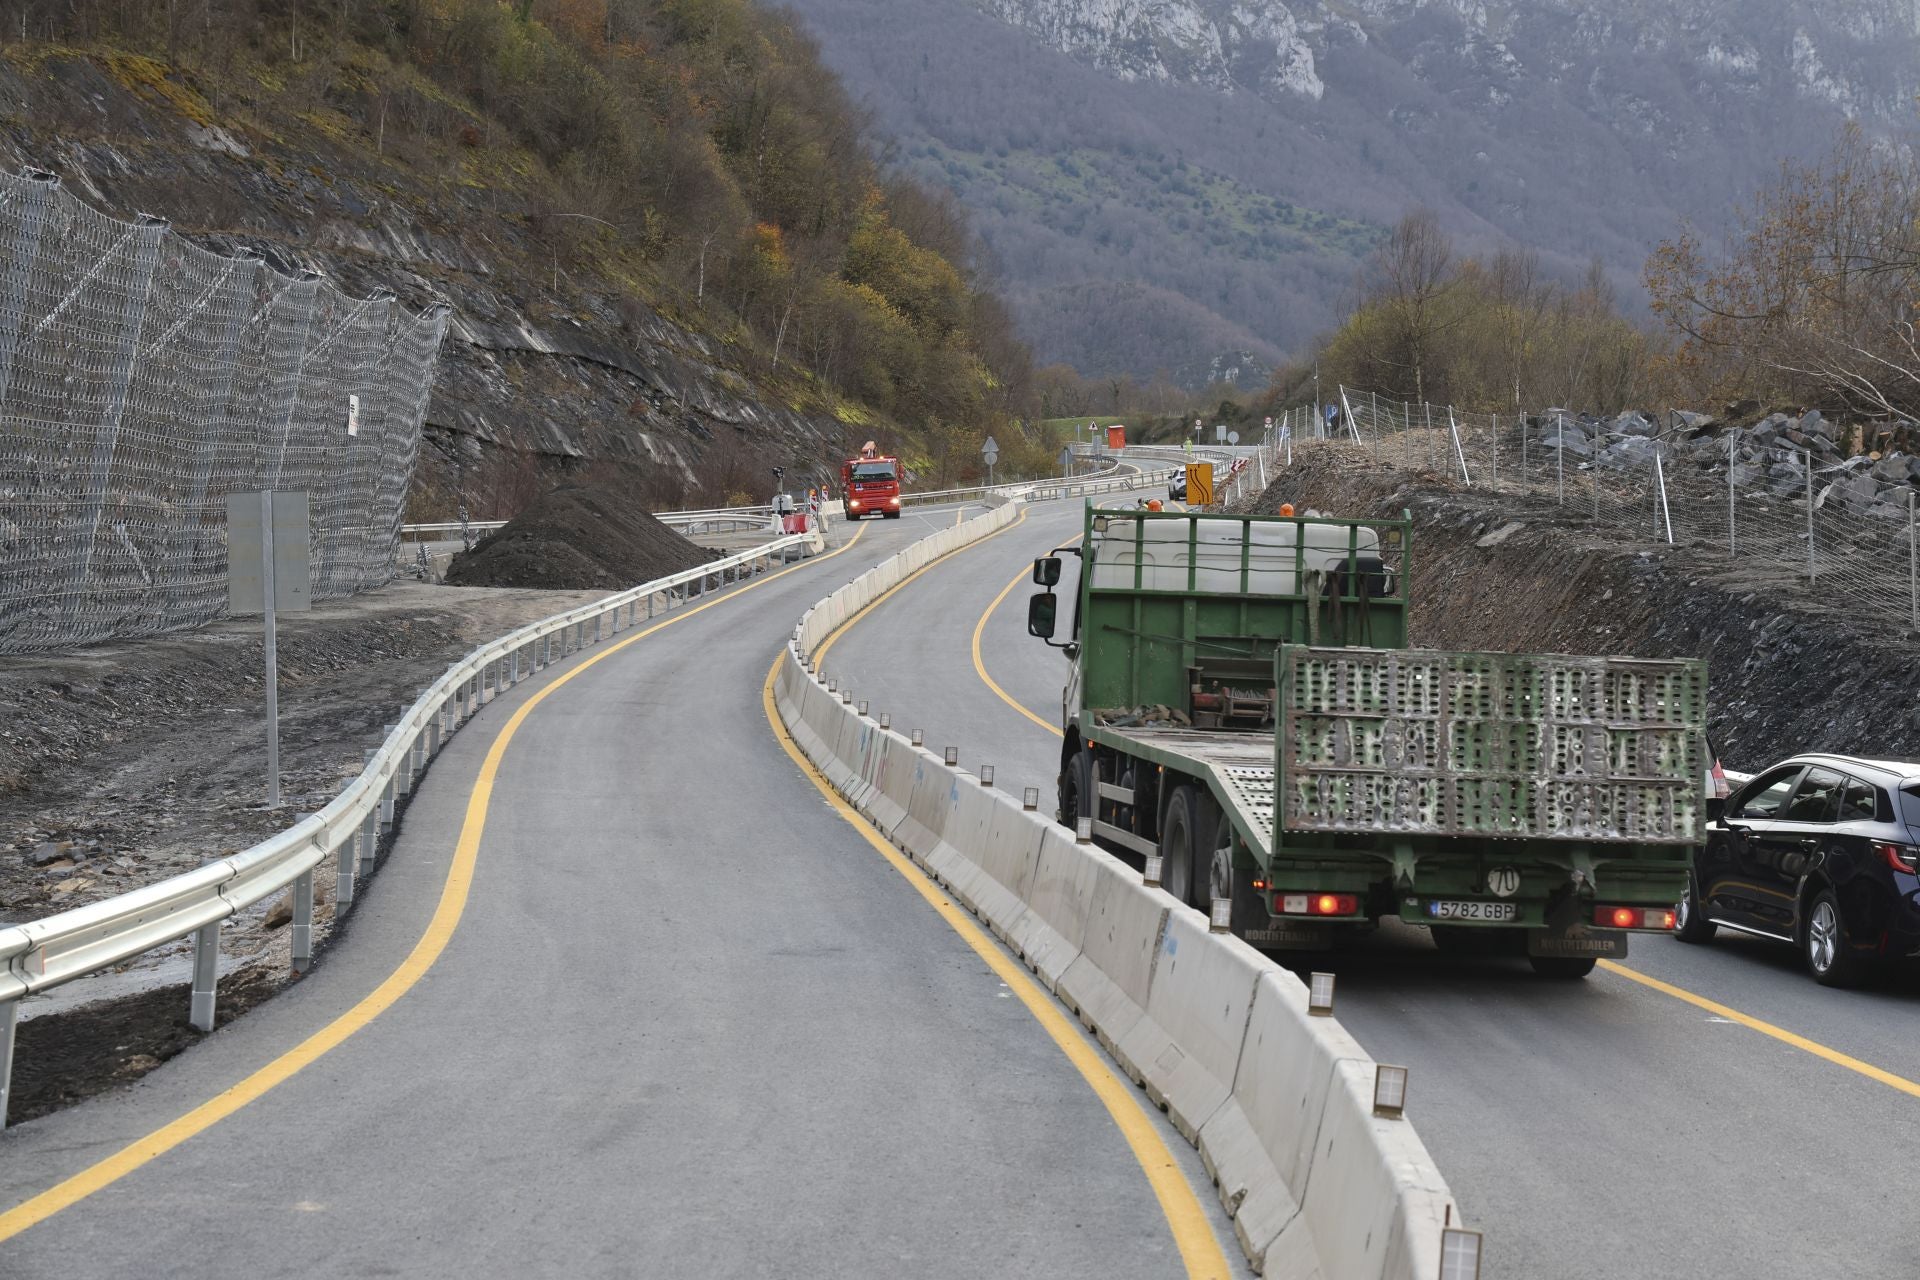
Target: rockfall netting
x=143 y=379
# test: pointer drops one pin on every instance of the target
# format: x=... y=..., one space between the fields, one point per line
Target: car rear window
x=1817 y=797
x=1910 y=806
x=1860 y=802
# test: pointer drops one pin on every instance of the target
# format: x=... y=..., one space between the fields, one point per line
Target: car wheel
x=1690 y=924
x=1825 y=938
x=1564 y=967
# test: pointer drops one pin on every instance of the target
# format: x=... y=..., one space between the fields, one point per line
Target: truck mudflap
x=1578 y=941
x=1284 y=933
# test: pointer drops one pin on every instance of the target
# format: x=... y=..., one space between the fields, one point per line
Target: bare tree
x=1413 y=270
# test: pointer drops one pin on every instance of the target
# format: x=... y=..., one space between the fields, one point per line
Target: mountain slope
x=1581 y=127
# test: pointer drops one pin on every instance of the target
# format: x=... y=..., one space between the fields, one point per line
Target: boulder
x=1633 y=424
x=1695 y=422
x=1813 y=424
x=1893 y=469
x=1888 y=512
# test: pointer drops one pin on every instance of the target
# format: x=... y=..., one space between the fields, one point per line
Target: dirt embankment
x=577 y=537
x=1789 y=670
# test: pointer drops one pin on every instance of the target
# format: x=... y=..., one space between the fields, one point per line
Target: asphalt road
x=686 y=1024
x=1598 y=1129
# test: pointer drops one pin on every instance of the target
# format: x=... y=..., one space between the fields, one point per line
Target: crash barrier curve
x=1279 y=1102
x=45 y=953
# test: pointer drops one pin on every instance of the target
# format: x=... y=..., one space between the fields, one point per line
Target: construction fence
x=143 y=378
x=1783 y=500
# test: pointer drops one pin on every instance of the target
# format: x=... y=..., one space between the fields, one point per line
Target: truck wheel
x=1567 y=967
x=1220 y=881
x=1180 y=848
x=1075 y=785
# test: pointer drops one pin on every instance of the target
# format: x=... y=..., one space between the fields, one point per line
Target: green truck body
x=1243 y=707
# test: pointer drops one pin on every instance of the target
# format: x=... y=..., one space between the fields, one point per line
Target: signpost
x=1219 y=433
x=269 y=571
x=1199 y=484
x=991 y=452
x=1066 y=463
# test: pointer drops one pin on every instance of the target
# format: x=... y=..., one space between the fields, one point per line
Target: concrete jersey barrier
x=1278 y=1102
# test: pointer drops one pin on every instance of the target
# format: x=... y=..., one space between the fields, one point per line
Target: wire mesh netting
x=1832 y=523
x=143 y=379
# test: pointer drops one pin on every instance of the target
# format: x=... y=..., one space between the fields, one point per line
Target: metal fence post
x=1813 y=572
x=1493 y=460
x=206 y=975
x=303 y=922
x=1913 y=563
x=1453 y=427
x=1660 y=478
x=1732 y=550
x=1560 y=461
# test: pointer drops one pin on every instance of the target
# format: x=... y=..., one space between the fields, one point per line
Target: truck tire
x=1076 y=783
x=1179 y=845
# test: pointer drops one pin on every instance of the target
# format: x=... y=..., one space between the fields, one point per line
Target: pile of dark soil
x=577 y=537
x=1789 y=669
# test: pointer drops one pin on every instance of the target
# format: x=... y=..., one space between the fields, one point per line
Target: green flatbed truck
x=1243 y=707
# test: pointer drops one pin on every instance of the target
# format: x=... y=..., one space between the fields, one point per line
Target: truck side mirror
x=1041 y=611
x=1046 y=573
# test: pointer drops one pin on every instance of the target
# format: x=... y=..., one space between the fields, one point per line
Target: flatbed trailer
x=1243 y=710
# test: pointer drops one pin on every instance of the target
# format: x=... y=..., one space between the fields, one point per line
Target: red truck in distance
x=870 y=484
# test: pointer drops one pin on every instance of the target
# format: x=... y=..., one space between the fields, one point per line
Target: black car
x=1820 y=851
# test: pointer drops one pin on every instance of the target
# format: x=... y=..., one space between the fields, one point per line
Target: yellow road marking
x=980 y=668
x=820 y=654
x=1192 y=1233
x=446 y=918
x=1781 y=1034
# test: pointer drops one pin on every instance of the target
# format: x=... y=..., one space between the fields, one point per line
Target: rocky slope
x=553 y=357
x=1581 y=127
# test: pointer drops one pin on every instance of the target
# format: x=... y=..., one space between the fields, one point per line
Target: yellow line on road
x=1192 y=1233
x=980 y=668
x=1781 y=1034
x=820 y=654
x=446 y=918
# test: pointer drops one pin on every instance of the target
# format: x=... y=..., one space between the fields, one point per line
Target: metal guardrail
x=45 y=953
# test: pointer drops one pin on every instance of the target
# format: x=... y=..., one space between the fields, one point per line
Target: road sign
x=1220 y=432
x=247 y=559
x=990 y=451
x=268 y=569
x=1066 y=461
x=1199 y=484
x=1233 y=437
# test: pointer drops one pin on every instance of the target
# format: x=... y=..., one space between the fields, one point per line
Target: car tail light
x=1633 y=917
x=1720 y=791
x=1317 y=904
x=1901 y=857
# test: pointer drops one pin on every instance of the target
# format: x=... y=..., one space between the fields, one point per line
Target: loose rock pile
x=1770 y=456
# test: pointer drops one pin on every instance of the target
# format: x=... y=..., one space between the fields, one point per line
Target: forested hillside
x=1241 y=160
x=669 y=202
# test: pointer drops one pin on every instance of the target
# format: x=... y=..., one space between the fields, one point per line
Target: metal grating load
x=1488 y=744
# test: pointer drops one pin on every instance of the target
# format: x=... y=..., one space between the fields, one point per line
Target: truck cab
x=870 y=485
x=1244 y=716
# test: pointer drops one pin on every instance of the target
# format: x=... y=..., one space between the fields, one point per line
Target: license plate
x=1494 y=912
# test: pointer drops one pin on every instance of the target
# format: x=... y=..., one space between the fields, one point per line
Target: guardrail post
x=346 y=867
x=402 y=776
x=386 y=806
x=303 y=922
x=206 y=975
x=369 y=837
x=433 y=736
x=9 y=1018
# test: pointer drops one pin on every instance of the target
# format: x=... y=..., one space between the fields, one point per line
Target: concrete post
x=346 y=860
x=386 y=806
x=206 y=974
